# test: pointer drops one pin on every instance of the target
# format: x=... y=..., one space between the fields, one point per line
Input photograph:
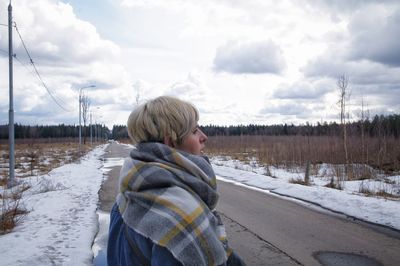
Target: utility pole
x=11 y=179
x=95 y=131
x=80 y=133
x=91 y=140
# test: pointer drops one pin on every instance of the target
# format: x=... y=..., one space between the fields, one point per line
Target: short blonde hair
x=162 y=117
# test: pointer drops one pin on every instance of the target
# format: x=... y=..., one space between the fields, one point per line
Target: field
x=371 y=159
x=33 y=158
x=296 y=151
x=311 y=161
x=39 y=156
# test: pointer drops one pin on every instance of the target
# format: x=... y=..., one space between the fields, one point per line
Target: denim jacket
x=119 y=251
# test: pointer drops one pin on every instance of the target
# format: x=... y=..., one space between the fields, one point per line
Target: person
x=165 y=210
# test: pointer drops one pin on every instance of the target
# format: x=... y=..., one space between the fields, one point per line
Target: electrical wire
x=37 y=72
x=19 y=61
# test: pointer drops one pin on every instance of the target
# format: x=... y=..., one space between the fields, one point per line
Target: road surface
x=268 y=230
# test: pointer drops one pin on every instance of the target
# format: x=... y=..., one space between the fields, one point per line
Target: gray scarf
x=169 y=196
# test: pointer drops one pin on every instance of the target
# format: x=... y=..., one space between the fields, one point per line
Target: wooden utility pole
x=11 y=179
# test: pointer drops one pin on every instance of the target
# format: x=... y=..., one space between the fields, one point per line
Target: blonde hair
x=162 y=117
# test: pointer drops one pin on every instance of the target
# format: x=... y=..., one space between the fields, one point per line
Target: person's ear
x=168 y=141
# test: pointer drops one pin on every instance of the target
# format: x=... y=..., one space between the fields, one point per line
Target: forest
x=380 y=125
x=53 y=131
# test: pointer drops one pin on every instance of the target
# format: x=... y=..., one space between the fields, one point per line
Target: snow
x=348 y=201
x=63 y=225
x=62 y=222
x=100 y=243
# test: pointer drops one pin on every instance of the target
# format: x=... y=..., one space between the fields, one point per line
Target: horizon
x=317 y=123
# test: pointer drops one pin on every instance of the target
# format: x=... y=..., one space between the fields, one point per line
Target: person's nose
x=204 y=137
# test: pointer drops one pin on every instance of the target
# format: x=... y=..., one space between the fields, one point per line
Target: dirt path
x=109 y=187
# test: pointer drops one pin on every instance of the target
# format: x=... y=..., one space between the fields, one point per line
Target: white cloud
x=253 y=57
x=54 y=35
x=191 y=89
x=152 y=46
x=68 y=53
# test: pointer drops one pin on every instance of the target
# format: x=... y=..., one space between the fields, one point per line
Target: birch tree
x=344 y=96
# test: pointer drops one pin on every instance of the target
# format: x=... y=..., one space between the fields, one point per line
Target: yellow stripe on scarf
x=125 y=180
x=187 y=220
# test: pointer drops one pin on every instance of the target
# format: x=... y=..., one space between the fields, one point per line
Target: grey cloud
x=383 y=95
x=301 y=90
x=360 y=72
x=287 y=108
x=254 y=57
x=340 y=6
x=375 y=37
x=372 y=36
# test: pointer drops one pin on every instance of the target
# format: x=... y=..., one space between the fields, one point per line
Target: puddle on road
x=328 y=258
x=99 y=247
x=109 y=163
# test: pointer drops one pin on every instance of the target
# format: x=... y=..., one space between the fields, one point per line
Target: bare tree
x=136 y=88
x=85 y=105
x=364 y=116
x=137 y=98
x=344 y=96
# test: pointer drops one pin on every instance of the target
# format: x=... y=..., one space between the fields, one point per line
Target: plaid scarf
x=169 y=196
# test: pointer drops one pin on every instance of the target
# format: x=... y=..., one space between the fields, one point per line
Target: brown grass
x=10 y=219
x=384 y=194
x=38 y=158
x=32 y=157
x=299 y=181
x=292 y=151
x=380 y=193
x=3 y=181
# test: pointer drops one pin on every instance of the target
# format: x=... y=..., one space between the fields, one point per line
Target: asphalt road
x=267 y=230
x=302 y=232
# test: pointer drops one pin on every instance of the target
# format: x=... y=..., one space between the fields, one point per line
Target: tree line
x=53 y=131
x=380 y=125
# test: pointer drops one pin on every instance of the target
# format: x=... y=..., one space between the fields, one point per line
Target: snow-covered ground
x=348 y=201
x=62 y=223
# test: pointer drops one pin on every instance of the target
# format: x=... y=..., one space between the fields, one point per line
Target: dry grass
x=380 y=193
x=299 y=181
x=385 y=194
x=3 y=181
x=38 y=158
x=12 y=212
x=32 y=157
x=293 y=151
x=11 y=218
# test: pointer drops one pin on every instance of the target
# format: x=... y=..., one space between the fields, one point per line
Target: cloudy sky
x=239 y=62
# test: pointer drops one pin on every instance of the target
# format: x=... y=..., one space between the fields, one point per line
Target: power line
x=37 y=72
x=19 y=61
